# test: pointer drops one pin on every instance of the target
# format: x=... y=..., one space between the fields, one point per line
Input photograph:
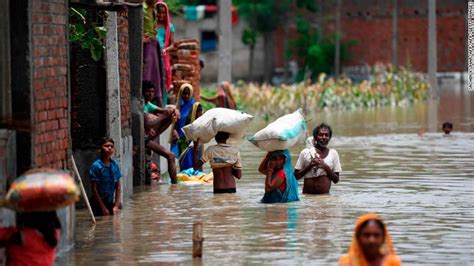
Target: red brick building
x=35 y=93
x=45 y=105
x=369 y=22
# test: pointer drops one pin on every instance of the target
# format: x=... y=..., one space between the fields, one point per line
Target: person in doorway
x=223 y=98
x=319 y=165
x=157 y=120
x=447 y=128
x=225 y=163
x=105 y=175
x=371 y=244
x=165 y=37
x=186 y=157
x=280 y=183
x=152 y=66
x=33 y=240
x=184 y=103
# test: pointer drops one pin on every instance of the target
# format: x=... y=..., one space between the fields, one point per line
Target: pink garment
x=166 y=57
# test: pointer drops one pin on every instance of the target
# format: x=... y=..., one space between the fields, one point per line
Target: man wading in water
x=319 y=165
x=225 y=163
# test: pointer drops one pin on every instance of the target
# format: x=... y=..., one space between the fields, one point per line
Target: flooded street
x=423 y=186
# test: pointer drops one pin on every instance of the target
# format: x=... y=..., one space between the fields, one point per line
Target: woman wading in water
x=371 y=244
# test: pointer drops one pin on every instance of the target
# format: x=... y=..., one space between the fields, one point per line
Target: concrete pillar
x=337 y=56
x=5 y=83
x=135 y=29
x=7 y=137
x=114 y=129
x=7 y=172
x=433 y=115
x=395 y=33
x=67 y=216
x=225 y=41
x=469 y=54
x=432 y=53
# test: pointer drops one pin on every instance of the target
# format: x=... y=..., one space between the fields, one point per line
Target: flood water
x=421 y=185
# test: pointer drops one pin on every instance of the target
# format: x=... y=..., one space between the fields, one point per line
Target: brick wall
x=371 y=26
x=124 y=71
x=373 y=40
x=370 y=23
x=50 y=140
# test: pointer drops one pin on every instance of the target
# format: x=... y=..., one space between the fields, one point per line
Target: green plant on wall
x=89 y=35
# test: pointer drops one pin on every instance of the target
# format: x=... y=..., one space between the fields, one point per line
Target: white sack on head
x=283 y=133
x=206 y=127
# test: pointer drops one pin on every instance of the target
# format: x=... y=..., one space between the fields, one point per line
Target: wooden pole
x=197 y=240
x=83 y=191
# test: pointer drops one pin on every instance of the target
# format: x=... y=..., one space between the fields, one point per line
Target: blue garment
x=291 y=191
x=186 y=158
x=194 y=13
x=185 y=109
x=161 y=34
x=191 y=172
x=106 y=177
x=190 y=13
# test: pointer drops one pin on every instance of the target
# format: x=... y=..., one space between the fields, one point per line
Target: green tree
x=88 y=34
x=263 y=18
x=249 y=38
x=316 y=50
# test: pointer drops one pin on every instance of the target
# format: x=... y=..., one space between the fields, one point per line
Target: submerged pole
x=197 y=239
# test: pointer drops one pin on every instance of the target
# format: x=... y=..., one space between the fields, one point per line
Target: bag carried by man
x=206 y=127
x=282 y=134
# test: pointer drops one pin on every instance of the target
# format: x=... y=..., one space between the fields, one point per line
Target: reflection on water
x=422 y=186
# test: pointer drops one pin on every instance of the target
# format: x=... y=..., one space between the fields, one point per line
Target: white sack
x=283 y=133
x=206 y=127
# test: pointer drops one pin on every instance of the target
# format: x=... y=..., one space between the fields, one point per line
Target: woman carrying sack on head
x=280 y=183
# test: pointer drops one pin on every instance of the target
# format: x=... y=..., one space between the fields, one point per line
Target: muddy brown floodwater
x=421 y=185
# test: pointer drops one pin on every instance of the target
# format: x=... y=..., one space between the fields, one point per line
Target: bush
x=386 y=87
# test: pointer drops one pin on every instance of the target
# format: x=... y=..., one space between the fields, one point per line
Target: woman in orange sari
x=371 y=244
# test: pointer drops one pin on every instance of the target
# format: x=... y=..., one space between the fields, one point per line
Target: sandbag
x=283 y=133
x=42 y=191
x=206 y=127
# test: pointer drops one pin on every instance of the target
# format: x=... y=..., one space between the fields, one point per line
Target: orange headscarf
x=355 y=257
